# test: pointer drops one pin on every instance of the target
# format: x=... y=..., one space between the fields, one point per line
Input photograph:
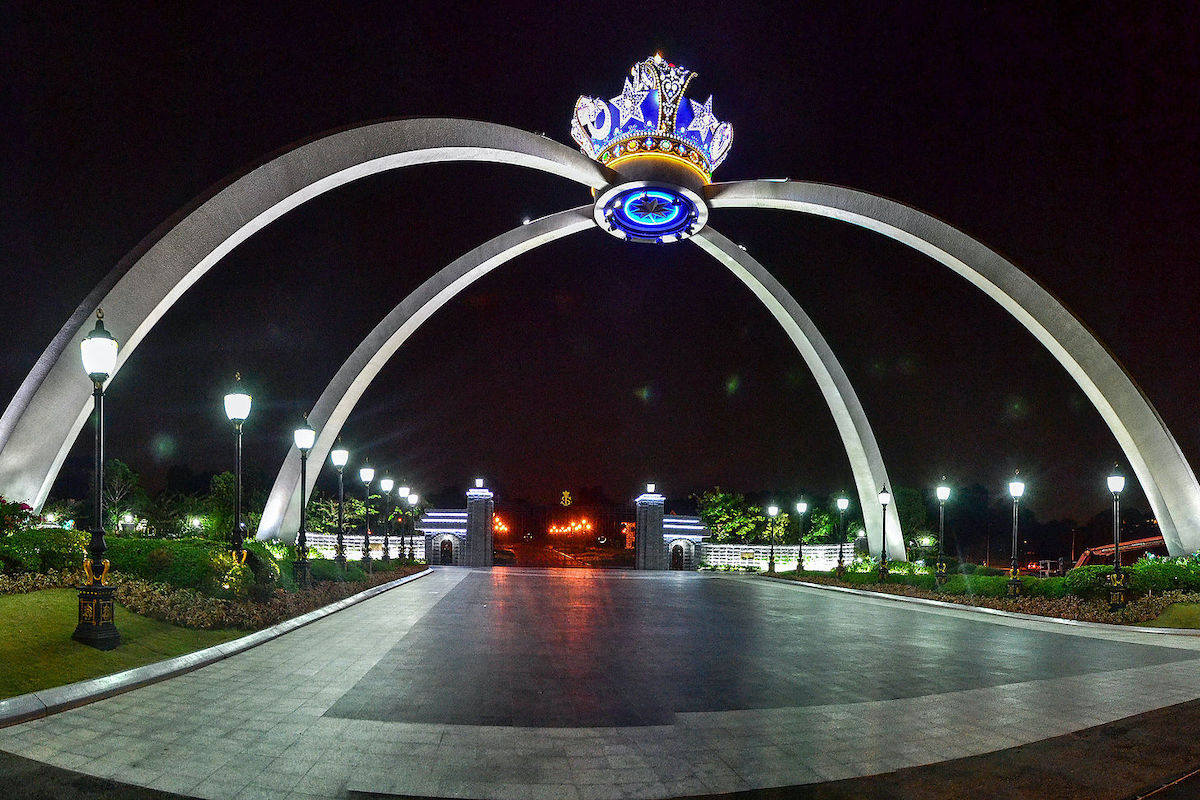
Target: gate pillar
x=649 y=552
x=480 y=508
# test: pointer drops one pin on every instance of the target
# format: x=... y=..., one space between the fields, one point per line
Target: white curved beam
x=45 y=416
x=866 y=463
x=1167 y=479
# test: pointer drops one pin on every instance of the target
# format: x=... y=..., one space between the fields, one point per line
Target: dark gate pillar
x=648 y=536
x=480 y=508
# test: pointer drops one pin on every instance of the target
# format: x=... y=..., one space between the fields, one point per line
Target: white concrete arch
x=1152 y=452
x=281 y=515
x=866 y=462
x=43 y=419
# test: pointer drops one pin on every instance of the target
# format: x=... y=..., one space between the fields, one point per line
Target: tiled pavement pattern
x=578 y=684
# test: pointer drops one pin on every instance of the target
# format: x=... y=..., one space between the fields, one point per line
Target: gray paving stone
x=533 y=684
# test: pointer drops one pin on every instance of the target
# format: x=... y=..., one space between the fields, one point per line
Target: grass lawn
x=1177 y=615
x=37 y=650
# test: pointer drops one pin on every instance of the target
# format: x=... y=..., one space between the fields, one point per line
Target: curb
x=1106 y=626
x=36 y=705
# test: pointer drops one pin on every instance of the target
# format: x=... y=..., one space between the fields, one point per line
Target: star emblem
x=629 y=104
x=653 y=208
x=702 y=117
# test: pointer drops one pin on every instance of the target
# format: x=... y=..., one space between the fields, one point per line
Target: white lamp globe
x=237 y=403
x=1116 y=482
x=1016 y=488
x=99 y=352
x=943 y=492
x=801 y=507
x=366 y=474
x=843 y=503
x=885 y=497
x=305 y=437
x=386 y=484
x=772 y=511
x=412 y=499
x=402 y=492
x=339 y=456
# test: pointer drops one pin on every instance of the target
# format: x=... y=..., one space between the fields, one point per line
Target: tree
x=123 y=492
x=729 y=516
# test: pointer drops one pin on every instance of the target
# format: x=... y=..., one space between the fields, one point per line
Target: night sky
x=1064 y=138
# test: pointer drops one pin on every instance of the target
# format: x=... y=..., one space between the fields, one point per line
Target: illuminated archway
x=43 y=419
x=281 y=515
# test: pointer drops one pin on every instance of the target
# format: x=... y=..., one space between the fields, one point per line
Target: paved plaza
x=521 y=683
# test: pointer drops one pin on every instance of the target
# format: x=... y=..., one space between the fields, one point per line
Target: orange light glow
x=574 y=526
x=499 y=525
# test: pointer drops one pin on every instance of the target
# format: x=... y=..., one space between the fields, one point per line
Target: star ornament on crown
x=651 y=117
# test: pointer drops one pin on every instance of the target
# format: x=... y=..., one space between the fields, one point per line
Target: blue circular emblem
x=655 y=213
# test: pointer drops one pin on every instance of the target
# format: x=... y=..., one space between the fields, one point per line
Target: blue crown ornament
x=652 y=118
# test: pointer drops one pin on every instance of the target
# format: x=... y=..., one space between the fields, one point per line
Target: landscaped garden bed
x=1153 y=586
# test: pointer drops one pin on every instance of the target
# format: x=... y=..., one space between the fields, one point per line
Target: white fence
x=325 y=545
x=819 y=557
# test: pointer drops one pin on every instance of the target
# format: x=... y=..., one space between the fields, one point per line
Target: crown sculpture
x=664 y=145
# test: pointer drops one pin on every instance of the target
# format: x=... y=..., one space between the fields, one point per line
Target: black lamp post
x=943 y=494
x=412 y=526
x=885 y=497
x=366 y=475
x=772 y=513
x=842 y=504
x=1016 y=488
x=305 y=437
x=801 y=510
x=385 y=486
x=401 y=497
x=339 y=456
x=237 y=408
x=96 y=627
x=1116 y=589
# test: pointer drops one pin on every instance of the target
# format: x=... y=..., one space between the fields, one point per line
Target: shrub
x=1046 y=587
x=1090 y=583
x=186 y=563
x=323 y=569
x=227 y=578
x=43 y=550
x=1163 y=575
x=977 y=585
x=15 y=517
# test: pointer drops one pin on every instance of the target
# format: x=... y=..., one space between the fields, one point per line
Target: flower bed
x=192 y=609
x=1139 y=610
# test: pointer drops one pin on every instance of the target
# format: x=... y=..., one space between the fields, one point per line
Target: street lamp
x=842 y=504
x=385 y=486
x=305 y=437
x=412 y=525
x=366 y=475
x=339 y=456
x=1016 y=488
x=943 y=494
x=801 y=510
x=96 y=628
x=1116 y=591
x=401 y=496
x=237 y=408
x=772 y=512
x=885 y=497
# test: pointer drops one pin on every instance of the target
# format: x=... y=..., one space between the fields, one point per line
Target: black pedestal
x=96 y=627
